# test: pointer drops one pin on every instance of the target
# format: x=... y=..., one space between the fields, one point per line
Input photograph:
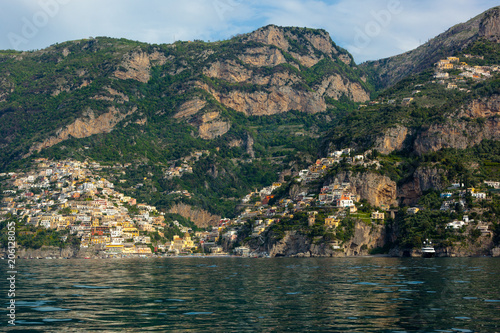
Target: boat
x=428 y=250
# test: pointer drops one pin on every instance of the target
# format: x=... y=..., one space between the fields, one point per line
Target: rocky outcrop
x=467 y=127
x=200 y=217
x=490 y=25
x=376 y=189
x=293 y=244
x=270 y=35
x=366 y=237
x=111 y=95
x=281 y=38
x=6 y=88
x=424 y=178
x=263 y=56
x=283 y=90
x=274 y=100
x=84 y=127
x=229 y=71
x=249 y=146
x=335 y=86
x=190 y=108
x=53 y=252
x=392 y=140
x=137 y=65
x=212 y=126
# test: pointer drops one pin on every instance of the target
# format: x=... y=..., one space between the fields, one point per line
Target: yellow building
x=178 y=244
x=116 y=248
x=129 y=249
x=453 y=59
x=143 y=249
x=332 y=222
x=100 y=240
x=130 y=232
x=188 y=243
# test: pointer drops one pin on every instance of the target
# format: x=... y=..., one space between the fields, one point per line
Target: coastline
x=60 y=253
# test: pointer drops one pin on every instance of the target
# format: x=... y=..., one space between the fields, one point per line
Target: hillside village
x=463 y=71
x=70 y=196
x=452 y=73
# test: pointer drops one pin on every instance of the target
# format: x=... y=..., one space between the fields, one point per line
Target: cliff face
x=393 y=140
x=137 y=65
x=276 y=99
x=280 y=90
x=467 y=127
x=376 y=189
x=84 y=127
x=490 y=25
x=200 y=217
x=294 y=244
x=54 y=252
x=277 y=36
x=423 y=179
x=335 y=86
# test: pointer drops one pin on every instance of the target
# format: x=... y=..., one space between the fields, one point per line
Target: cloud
x=359 y=26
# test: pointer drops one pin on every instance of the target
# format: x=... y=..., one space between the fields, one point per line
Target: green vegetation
x=34 y=238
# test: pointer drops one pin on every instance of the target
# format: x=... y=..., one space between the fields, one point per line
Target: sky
x=368 y=29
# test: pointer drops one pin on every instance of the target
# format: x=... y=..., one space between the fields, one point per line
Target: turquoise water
x=256 y=295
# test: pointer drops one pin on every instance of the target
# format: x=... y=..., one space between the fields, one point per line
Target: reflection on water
x=237 y=294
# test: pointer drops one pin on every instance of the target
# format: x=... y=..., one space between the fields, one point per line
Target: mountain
x=193 y=127
x=388 y=71
x=259 y=97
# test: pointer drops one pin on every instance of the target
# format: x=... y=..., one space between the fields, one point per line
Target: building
x=332 y=221
x=407 y=101
x=242 y=251
x=479 y=195
x=345 y=201
x=142 y=249
x=377 y=215
x=413 y=210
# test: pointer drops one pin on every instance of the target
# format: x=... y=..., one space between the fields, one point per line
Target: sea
x=203 y=294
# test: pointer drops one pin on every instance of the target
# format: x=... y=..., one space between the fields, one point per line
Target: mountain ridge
x=387 y=71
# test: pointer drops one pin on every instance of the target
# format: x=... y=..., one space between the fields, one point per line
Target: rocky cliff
x=376 y=189
x=137 y=65
x=84 y=127
x=53 y=252
x=295 y=244
x=423 y=179
x=393 y=140
x=469 y=126
x=281 y=90
x=200 y=217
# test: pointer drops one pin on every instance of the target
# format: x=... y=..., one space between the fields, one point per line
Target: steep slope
x=255 y=102
x=386 y=72
x=89 y=86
